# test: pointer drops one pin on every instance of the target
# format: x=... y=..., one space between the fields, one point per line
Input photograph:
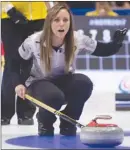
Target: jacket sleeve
x=20 y=69
x=15 y=15
x=106 y=49
x=94 y=47
x=21 y=64
x=111 y=48
x=26 y=49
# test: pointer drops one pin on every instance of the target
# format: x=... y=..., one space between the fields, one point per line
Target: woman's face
x=61 y=23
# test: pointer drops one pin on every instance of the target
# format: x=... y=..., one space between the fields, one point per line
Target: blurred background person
x=18 y=21
x=102 y=9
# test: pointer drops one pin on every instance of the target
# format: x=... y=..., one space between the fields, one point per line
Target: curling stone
x=101 y=135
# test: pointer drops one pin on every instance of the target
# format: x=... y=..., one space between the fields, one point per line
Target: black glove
x=17 y=17
x=119 y=36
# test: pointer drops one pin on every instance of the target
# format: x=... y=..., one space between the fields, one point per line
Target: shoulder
x=112 y=13
x=35 y=37
x=84 y=42
x=91 y=13
x=78 y=32
x=79 y=37
x=30 y=45
x=32 y=40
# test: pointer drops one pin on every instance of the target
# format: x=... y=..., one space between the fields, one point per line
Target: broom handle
x=54 y=111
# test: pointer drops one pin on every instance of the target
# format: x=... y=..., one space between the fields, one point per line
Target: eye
x=57 y=20
x=65 y=19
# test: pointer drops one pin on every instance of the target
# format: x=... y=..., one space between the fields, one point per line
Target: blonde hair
x=46 y=50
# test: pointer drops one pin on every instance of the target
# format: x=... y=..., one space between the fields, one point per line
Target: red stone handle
x=94 y=123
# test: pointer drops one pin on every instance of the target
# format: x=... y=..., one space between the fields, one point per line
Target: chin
x=61 y=36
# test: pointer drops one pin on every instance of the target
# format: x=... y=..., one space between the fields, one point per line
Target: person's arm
x=15 y=15
x=19 y=74
x=21 y=63
x=111 y=48
x=106 y=49
x=98 y=48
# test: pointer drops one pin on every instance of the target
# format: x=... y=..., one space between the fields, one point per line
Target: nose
x=61 y=23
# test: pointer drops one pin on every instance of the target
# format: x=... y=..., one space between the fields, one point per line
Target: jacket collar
x=61 y=48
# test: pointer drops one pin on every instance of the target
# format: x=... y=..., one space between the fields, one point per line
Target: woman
x=52 y=79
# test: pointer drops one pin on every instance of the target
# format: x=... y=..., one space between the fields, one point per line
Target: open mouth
x=61 y=30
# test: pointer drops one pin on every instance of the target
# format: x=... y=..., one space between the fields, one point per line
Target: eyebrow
x=59 y=17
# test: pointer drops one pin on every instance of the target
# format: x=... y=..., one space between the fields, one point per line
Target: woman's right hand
x=20 y=91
